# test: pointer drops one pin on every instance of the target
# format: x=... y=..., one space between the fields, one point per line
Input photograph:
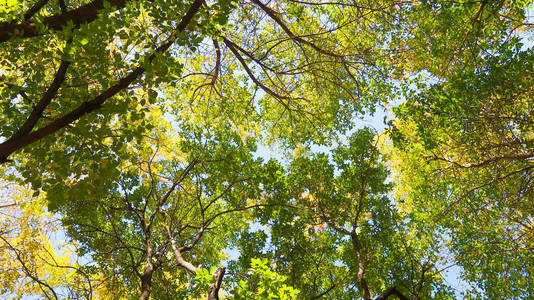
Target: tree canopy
x=139 y=130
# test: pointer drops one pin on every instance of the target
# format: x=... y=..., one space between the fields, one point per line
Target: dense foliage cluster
x=134 y=137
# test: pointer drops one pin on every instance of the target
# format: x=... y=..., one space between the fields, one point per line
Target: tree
x=164 y=220
x=339 y=235
x=31 y=263
x=139 y=121
x=464 y=151
x=97 y=60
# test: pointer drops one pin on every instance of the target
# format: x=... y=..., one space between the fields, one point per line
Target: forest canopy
x=216 y=149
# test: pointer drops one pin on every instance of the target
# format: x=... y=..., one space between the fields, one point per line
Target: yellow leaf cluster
x=35 y=258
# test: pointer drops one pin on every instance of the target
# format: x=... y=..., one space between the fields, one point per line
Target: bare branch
x=446 y=210
x=178 y=254
x=269 y=91
x=274 y=15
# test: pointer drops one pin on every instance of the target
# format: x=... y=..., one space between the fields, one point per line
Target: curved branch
x=50 y=93
x=273 y=15
x=78 y=270
x=390 y=292
x=265 y=88
x=178 y=252
x=28 y=272
x=34 y=9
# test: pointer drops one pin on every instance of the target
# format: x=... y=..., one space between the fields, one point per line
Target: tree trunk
x=213 y=292
x=146 y=281
x=361 y=266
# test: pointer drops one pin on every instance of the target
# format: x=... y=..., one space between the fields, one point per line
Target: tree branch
x=361 y=265
x=269 y=91
x=390 y=292
x=274 y=15
x=178 y=254
x=34 y=9
x=78 y=16
x=511 y=156
x=37 y=111
x=27 y=271
x=446 y=210
x=325 y=292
